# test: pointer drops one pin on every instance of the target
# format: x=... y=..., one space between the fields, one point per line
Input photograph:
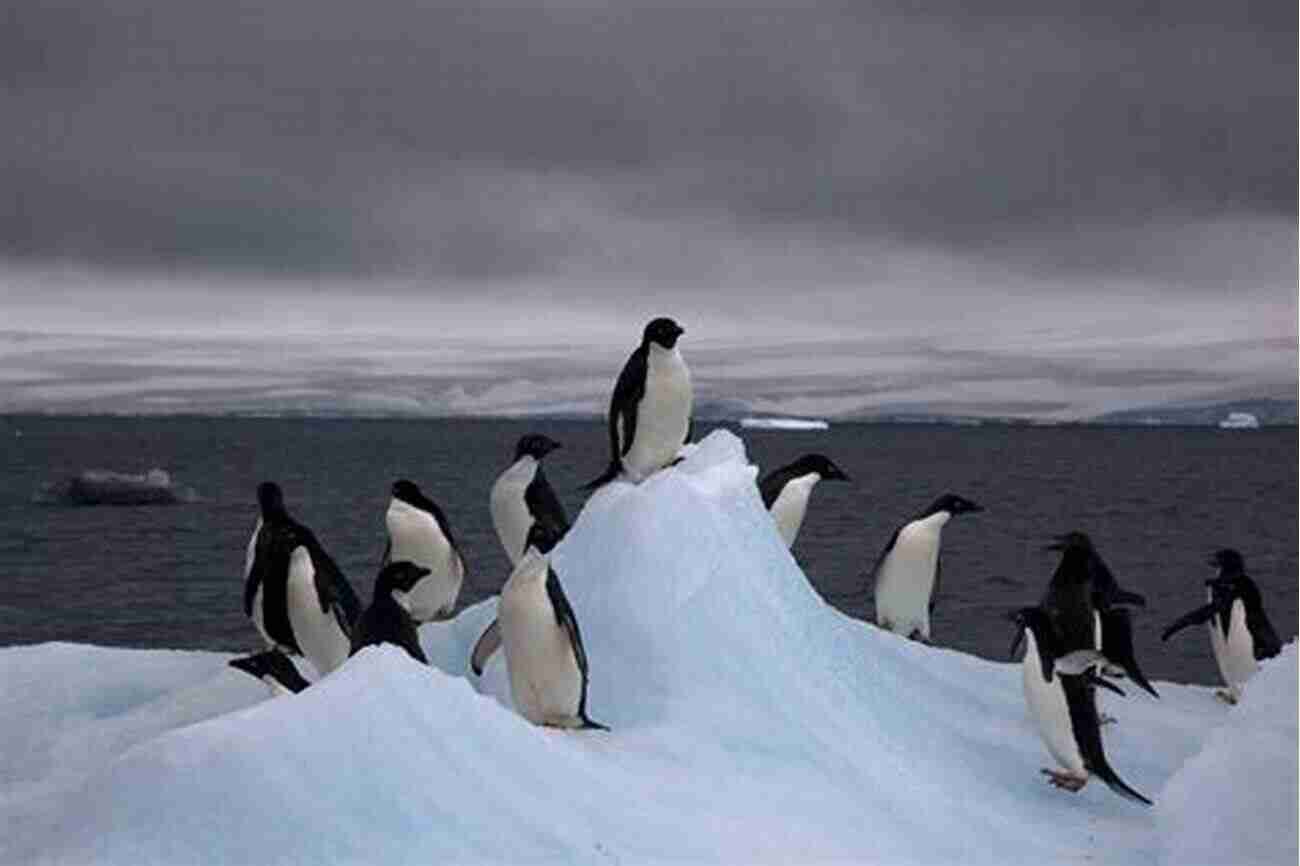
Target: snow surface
x=751 y=723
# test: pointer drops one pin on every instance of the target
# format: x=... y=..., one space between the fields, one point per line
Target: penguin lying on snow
x=545 y=658
x=907 y=571
x=785 y=491
x=1240 y=633
x=1059 y=691
x=418 y=532
x=522 y=495
x=650 y=410
x=294 y=591
x=273 y=668
x=386 y=620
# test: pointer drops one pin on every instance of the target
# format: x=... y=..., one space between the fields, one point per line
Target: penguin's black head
x=1228 y=561
x=953 y=504
x=1036 y=621
x=408 y=492
x=270 y=498
x=819 y=463
x=1072 y=541
x=399 y=576
x=535 y=445
x=543 y=536
x=663 y=331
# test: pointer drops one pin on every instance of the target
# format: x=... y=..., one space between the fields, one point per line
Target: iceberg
x=1239 y=421
x=784 y=424
x=751 y=722
x=103 y=487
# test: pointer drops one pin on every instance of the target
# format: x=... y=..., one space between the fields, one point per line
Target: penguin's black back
x=386 y=621
x=1069 y=602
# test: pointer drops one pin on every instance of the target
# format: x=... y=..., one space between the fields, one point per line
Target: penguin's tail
x=589 y=725
x=1118 y=785
x=610 y=473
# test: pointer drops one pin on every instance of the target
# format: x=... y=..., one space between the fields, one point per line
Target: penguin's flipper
x=274 y=664
x=1103 y=683
x=410 y=638
x=1123 y=596
x=628 y=391
x=1015 y=643
x=1117 y=643
x=388 y=554
x=1201 y=615
x=565 y=618
x=1265 y=639
x=332 y=588
x=1081 y=701
x=938 y=572
x=880 y=558
x=487 y=643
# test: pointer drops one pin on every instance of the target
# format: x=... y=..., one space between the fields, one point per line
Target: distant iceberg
x=784 y=423
x=1240 y=421
x=751 y=723
x=102 y=487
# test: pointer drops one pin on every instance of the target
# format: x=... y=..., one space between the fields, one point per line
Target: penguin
x=295 y=593
x=907 y=571
x=1059 y=691
x=1069 y=599
x=418 y=532
x=545 y=659
x=273 y=668
x=1112 y=624
x=650 y=410
x=522 y=494
x=386 y=620
x=1240 y=632
x=785 y=491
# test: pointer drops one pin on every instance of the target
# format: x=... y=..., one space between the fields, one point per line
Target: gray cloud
x=497 y=141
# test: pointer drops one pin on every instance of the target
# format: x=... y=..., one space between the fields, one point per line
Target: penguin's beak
x=973 y=507
x=837 y=474
x=552 y=445
x=1060 y=543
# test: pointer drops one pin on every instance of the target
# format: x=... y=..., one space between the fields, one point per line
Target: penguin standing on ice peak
x=418 y=532
x=650 y=410
x=545 y=658
x=386 y=620
x=295 y=593
x=273 y=668
x=1060 y=692
x=785 y=491
x=522 y=495
x=1241 y=635
x=907 y=571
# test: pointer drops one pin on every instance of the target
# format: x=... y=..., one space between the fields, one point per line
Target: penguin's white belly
x=416 y=537
x=1237 y=663
x=1049 y=710
x=791 y=505
x=510 y=515
x=663 y=417
x=545 y=682
x=318 y=633
x=906 y=580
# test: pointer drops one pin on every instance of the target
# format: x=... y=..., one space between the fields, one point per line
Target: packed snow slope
x=751 y=722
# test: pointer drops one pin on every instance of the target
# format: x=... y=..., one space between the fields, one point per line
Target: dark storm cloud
x=493 y=142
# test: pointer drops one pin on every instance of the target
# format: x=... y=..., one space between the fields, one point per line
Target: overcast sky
x=1063 y=207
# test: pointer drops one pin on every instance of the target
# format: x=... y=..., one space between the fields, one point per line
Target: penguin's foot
x=918 y=637
x=1106 y=719
x=1227 y=696
x=1065 y=779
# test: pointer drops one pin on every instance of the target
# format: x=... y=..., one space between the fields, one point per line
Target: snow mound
x=1238 y=800
x=751 y=723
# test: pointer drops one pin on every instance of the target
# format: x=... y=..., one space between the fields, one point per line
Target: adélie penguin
x=273 y=668
x=785 y=491
x=907 y=572
x=545 y=659
x=522 y=495
x=1112 y=626
x=418 y=532
x=1240 y=633
x=387 y=620
x=294 y=592
x=650 y=409
x=1060 y=694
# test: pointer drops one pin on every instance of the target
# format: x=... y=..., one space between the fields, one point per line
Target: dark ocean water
x=1155 y=500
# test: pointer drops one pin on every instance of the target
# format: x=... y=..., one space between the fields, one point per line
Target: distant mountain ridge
x=1269 y=413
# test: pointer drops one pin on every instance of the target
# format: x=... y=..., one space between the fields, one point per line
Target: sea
x=1156 y=501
